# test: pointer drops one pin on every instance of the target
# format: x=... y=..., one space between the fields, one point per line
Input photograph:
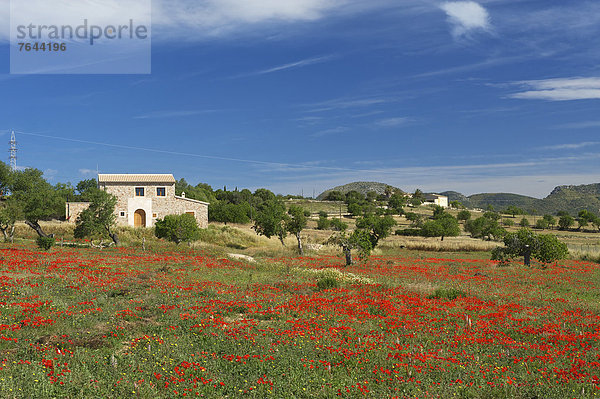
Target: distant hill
x=563 y=198
x=568 y=198
x=362 y=187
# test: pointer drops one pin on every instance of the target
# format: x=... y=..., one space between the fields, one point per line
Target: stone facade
x=142 y=199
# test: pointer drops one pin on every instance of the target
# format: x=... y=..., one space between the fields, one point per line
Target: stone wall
x=73 y=209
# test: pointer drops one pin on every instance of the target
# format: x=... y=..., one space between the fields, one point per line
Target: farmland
x=181 y=321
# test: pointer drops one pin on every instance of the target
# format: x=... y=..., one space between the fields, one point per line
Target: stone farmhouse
x=142 y=199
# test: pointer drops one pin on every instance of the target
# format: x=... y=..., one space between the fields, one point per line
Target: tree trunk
x=348 y=254
x=4 y=233
x=38 y=229
x=113 y=236
x=281 y=239
x=300 y=249
x=442 y=238
x=527 y=256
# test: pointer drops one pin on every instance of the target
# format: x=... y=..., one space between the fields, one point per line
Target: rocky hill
x=362 y=187
x=568 y=198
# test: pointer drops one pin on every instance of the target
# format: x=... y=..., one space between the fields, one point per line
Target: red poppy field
x=119 y=323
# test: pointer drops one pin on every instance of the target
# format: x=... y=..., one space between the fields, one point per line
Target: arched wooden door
x=139 y=218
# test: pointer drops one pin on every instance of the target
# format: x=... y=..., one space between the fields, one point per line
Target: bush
x=45 y=243
x=323 y=223
x=177 y=228
x=338 y=225
x=447 y=293
x=327 y=283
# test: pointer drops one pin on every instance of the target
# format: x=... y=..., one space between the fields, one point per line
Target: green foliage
x=225 y=212
x=335 y=196
x=36 y=197
x=338 y=225
x=565 y=222
x=359 y=240
x=508 y=222
x=485 y=228
x=464 y=215
x=200 y=192
x=45 y=243
x=98 y=220
x=513 y=210
x=323 y=223
x=84 y=186
x=295 y=223
x=327 y=283
x=444 y=225
x=524 y=222
x=550 y=220
x=541 y=224
x=396 y=202
x=377 y=227
x=178 y=228
x=545 y=248
x=270 y=219
x=415 y=219
x=5 y=178
x=449 y=294
x=10 y=212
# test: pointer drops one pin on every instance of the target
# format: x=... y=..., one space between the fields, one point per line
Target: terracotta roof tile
x=136 y=178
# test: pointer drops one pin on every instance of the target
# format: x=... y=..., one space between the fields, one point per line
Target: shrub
x=447 y=293
x=323 y=223
x=45 y=243
x=327 y=283
x=177 y=228
x=338 y=225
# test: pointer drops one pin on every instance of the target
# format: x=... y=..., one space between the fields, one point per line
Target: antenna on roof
x=13 y=151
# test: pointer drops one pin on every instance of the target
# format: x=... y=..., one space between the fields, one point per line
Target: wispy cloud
x=347 y=103
x=392 y=122
x=328 y=132
x=573 y=146
x=466 y=17
x=561 y=89
x=291 y=65
x=579 y=125
x=174 y=114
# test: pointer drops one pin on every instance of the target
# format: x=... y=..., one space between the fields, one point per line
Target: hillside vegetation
x=362 y=187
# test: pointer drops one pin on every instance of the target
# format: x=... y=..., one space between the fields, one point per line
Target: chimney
x=183 y=194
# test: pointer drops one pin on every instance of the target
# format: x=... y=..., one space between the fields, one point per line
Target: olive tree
x=99 y=219
x=545 y=248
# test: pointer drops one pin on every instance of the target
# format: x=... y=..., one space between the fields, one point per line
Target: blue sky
x=302 y=95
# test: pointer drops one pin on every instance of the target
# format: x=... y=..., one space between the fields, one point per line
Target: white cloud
x=573 y=146
x=466 y=16
x=580 y=125
x=562 y=89
x=87 y=172
x=392 y=122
